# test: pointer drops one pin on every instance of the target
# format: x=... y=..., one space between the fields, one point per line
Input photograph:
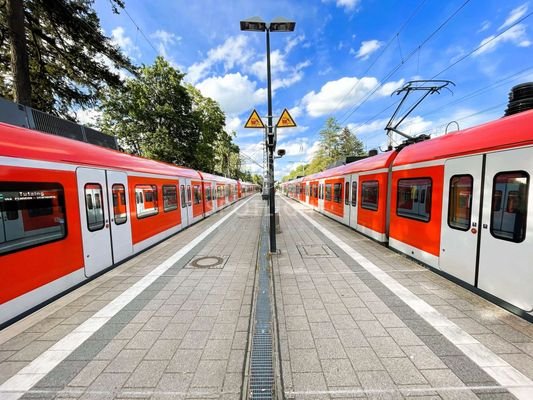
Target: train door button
x=473 y=230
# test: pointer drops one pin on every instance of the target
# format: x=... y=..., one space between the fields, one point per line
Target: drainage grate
x=315 y=251
x=208 y=262
x=261 y=363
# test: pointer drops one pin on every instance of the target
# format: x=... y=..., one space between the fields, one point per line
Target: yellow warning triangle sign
x=285 y=121
x=254 y=121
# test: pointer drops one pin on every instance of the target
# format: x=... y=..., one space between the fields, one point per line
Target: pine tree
x=349 y=145
x=69 y=59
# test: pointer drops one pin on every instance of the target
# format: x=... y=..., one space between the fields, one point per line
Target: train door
x=353 y=201
x=183 y=203
x=188 y=195
x=506 y=247
x=460 y=217
x=321 y=194
x=92 y=194
x=121 y=239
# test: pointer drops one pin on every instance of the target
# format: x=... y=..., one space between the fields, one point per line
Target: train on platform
x=70 y=211
x=459 y=203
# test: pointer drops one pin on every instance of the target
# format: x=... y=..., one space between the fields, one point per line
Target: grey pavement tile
x=319 y=315
x=184 y=316
x=222 y=331
x=10 y=368
x=125 y=361
x=143 y=340
x=305 y=382
x=339 y=373
x=403 y=371
x=202 y=324
x=5 y=354
x=470 y=326
x=404 y=336
x=385 y=347
x=61 y=375
x=162 y=350
x=240 y=340
x=108 y=331
x=364 y=359
x=210 y=373
x=329 y=348
x=323 y=330
x=343 y=321
x=294 y=310
x=89 y=373
x=236 y=361
x=194 y=340
x=390 y=320
x=111 y=350
x=336 y=309
x=108 y=383
x=352 y=338
x=420 y=327
x=171 y=383
x=466 y=370
x=300 y=340
x=372 y=328
x=184 y=361
x=57 y=332
x=375 y=380
x=45 y=325
x=304 y=360
x=297 y=324
x=156 y=324
x=498 y=345
x=510 y=334
x=32 y=350
x=232 y=384
x=361 y=314
x=441 y=346
x=88 y=350
x=174 y=331
x=423 y=357
x=217 y=349
x=147 y=374
x=129 y=331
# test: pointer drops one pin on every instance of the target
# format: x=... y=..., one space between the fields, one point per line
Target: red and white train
x=459 y=203
x=70 y=210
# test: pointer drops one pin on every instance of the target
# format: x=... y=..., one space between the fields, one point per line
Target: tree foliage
x=70 y=58
x=336 y=143
x=157 y=116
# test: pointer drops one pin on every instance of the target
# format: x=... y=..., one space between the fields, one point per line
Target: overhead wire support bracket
x=429 y=86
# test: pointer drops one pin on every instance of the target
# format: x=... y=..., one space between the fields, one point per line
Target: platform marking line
x=26 y=378
x=496 y=367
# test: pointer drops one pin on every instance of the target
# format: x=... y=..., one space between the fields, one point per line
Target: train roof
x=217 y=178
x=515 y=130
x=30 y=144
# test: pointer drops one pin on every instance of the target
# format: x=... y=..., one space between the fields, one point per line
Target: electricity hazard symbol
x=254 y=121
x=285 y=121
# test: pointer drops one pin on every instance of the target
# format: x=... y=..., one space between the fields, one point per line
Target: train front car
x=461 y=204
x=70 y=210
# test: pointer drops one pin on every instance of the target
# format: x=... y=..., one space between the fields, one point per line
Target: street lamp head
x=280 y=24
x=253 y=24
x=281 y=152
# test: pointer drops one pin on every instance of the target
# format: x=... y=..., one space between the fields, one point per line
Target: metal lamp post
x=279 y=24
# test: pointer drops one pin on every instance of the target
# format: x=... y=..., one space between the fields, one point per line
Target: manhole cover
x=207 y=262
x=315 y=251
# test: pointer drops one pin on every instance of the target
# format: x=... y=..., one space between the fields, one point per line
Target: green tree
x=349 y=145
x=57 y=54
x=329 y=139
x=210 y=121
x=152 y=115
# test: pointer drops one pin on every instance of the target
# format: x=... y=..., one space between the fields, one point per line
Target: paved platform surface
x=352 y=320
x=345 y=334
x=184 y=336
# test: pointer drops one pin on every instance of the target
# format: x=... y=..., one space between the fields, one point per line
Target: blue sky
x=344 y=59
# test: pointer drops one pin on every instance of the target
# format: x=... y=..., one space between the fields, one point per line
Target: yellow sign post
x=254 y=121
x=285 y=121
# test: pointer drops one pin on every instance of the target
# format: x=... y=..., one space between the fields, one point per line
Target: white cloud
x=166 y=39
x=484 y=26
x=119 y=37
x=514 y=16
x=367 y=48
x=343 y=93
x=233 y=123
x=89 y=116
x=312 y=150
x=347 y=4
x=295 y=147
x=234 y=51
x=516 y=35
x=234 y=92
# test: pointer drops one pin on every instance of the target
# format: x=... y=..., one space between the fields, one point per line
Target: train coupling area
x=210 y=314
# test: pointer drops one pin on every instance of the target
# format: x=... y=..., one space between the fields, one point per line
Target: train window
x=328 y=192
x=197 y=194
x=370 y=195
x=509 y=206
x=148 y=205
x=337 y=192
x=170 y=198
x=31 y=214
x=460 y=202
x=354 y=194
x=414 y=199
x=182 y=194
x=189 y=195
x=93 y=207
x=119 y=204
x=347 y=193
x=208 y=193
